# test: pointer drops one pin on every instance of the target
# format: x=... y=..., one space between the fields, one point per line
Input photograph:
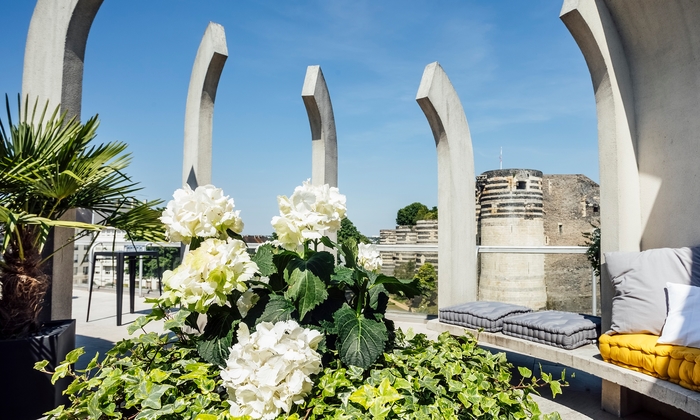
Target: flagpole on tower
x=500 y=158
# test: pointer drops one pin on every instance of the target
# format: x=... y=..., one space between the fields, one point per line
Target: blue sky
x=521 y=78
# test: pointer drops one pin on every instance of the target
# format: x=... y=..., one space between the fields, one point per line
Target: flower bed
x=286 y=333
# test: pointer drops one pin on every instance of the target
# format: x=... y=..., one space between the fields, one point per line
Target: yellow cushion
x=640 y=352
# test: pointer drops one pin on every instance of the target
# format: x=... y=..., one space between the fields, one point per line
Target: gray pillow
x=481 y=314
x=639 y=278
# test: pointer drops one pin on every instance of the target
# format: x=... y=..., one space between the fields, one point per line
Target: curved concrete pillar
x=457 y=223
x=53 y=71
x=596 y=34
x=199 y=112
x=55 y=52
x=644 y=60
x=324 y=146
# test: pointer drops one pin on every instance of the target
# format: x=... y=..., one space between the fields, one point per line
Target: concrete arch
x=324 y=144
x=55 y=52
x=456 y=182
x=644 y=60
x=591 y=25
x=199 y=111
x=53 y=71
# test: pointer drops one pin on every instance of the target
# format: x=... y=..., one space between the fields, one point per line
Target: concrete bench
x=617 y=381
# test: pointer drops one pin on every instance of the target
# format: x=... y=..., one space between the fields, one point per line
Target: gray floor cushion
x=560 y=329
x=486 y=315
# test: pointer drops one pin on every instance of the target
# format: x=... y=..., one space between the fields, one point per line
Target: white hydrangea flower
x=205 y=212
x=209 y=273
x=269 y=370
x=368 y=257
x=309 y=213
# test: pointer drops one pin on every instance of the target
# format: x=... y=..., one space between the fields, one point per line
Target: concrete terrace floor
x=580 y=400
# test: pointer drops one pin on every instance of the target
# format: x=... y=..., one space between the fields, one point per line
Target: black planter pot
x=24 y=392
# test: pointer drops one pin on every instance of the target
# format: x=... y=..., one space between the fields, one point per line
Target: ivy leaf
x=360 y=340
x=307 y=290
x=524 y=372
x=264 y=259
x=154 y=395
x=277 y=309
x=139 y=323
x=178 y=320
x=555 y=387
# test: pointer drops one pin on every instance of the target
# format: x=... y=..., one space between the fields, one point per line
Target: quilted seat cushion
x=560 y=329
x=640 y=352
x=476 y=315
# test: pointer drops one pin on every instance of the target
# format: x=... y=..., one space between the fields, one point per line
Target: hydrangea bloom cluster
x=269 y=370
x=368 y=257
x=209 y=273
x=309 y=213
x=205 y=212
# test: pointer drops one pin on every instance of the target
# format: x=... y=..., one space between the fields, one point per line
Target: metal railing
x=507 y=250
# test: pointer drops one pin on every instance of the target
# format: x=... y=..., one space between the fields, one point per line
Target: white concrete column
x=53 y=72
x=594 y=30
x=199 y=112
x=55 y=52
x=456 y=182
x=324 y=146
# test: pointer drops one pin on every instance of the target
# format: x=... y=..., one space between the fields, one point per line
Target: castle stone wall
x=571 y=205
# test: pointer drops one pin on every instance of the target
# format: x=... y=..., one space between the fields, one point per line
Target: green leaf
x=350 y=256
x=325 y=240
x=360 y=341
x=555 y=387
x=524 y=372
x=375 y=294
x=277 y=309
x=395 y=286
x=263 y=257
x=307 y=290
x=153 y=399
x=178 y=320
x=215 y=343
x=343 y=275
x=205 y=417
x=74 y=355
x=322 y=264
x=41 y=365
x=138 y=324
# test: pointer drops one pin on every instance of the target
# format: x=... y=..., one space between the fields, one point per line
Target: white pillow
x=682 y=326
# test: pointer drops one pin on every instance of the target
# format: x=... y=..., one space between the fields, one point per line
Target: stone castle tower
x=521 y=207
x=511 y=214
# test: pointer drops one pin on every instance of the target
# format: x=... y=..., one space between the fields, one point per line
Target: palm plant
x=49 y=165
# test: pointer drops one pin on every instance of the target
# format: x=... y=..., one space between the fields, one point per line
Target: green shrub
x=451 y=378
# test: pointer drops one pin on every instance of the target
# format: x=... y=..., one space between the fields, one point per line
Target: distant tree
x=409 y=214
x=168 y=257
x=593 y=252
x=348 y=231
x=427 y=278
x=425 y=214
